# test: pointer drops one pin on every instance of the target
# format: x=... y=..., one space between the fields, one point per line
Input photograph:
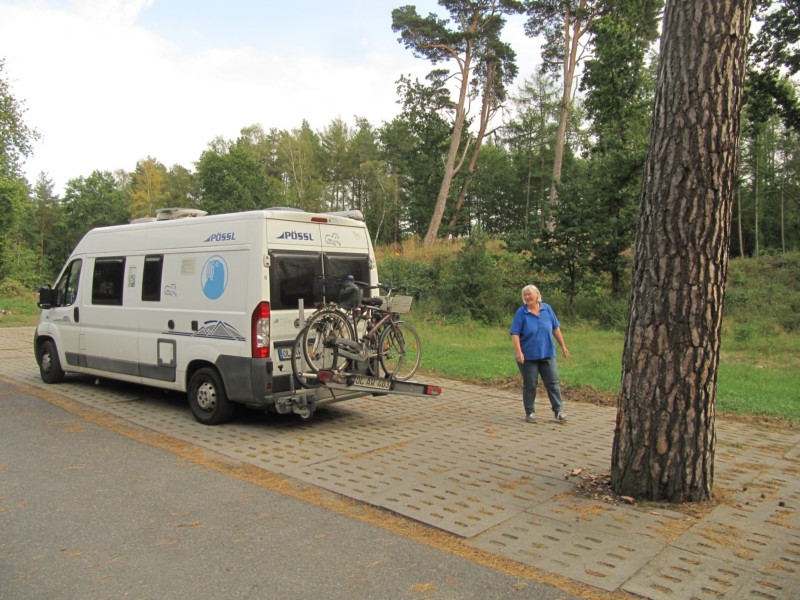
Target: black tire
x=208 y=399
x=400 y=350
x=320 y=340
x=49 y=363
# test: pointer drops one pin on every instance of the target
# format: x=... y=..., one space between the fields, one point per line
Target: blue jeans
x=531 y=370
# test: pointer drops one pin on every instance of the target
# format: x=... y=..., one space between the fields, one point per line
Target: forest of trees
x=552 y=167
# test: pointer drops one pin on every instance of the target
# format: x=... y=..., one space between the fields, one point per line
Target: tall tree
x=414 y=143
x=46 y=215
x=476 y=34
x=93 y=201
x=179 y=187
x=774 y=59
x=530 y=136
x=301 y=157
x=230 y=180
x=665 y=437
x=495 y=71
x=16 y=137
x=335 y=141
x=618 y=85
x=564 y=24
x=16 y=144
x=147 y=188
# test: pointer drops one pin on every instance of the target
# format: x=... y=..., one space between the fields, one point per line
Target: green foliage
x=414 y=143
x=89 y=202
x=419 y=278
x=230 y=180
x=761 y=295
x=471 y=287
x=774 y=59
x=16 y=138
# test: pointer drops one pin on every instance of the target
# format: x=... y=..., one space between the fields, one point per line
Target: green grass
x=19 y=312
x=753 y=379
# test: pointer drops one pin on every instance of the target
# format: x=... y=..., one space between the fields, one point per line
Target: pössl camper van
x=209 y=305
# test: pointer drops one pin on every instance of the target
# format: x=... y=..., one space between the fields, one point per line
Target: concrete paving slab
x=469 y=499
x=372 y=474
x=584 y=551
x=600 y=543
x=676 y=574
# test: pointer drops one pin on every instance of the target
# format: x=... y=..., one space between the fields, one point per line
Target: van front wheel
x=207 y=398
x=49 y=363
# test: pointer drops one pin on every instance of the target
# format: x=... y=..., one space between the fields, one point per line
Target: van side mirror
x=45 y=297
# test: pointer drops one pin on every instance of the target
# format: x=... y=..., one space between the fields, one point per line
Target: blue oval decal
x=214 y=278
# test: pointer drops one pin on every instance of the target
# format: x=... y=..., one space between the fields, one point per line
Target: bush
x=419 y=278
x=11 y=288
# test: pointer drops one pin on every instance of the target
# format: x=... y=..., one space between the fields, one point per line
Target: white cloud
x=105 y=92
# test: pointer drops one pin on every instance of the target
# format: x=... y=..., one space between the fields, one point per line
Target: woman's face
x=530 y=297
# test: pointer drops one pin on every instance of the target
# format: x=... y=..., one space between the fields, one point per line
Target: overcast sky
x=110 y=82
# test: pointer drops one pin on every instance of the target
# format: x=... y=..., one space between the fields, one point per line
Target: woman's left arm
x=561 y=342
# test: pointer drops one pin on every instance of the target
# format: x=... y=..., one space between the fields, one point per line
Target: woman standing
x=532 y=332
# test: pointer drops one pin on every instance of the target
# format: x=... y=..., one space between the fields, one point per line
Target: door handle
x=76 y=315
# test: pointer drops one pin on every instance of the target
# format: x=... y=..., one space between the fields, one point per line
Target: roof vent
x=350 y=214
x=168 y=214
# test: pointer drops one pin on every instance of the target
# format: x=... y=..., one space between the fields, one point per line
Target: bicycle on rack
x=367 y=338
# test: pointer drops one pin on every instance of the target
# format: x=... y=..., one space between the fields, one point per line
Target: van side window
x=294 y=276
x=66 y=290
x=107 y=280
x=151 y=280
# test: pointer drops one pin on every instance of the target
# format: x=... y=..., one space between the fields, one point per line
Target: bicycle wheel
x=298 y=364
x=400 y=350
x=320 y=338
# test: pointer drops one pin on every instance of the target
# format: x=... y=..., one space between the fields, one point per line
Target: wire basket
x=398 y=304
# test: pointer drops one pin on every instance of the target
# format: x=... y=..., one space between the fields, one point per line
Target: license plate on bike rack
x=366 y=381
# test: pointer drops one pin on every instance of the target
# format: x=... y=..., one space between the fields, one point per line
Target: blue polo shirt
x=535 y=333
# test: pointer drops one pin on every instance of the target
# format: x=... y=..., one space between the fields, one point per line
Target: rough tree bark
x=665 y=436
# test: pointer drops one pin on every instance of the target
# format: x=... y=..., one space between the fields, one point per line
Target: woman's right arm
x=517 y=348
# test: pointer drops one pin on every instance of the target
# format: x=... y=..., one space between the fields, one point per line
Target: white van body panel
x=190 y=287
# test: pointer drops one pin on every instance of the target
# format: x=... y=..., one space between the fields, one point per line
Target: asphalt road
x=88 y=513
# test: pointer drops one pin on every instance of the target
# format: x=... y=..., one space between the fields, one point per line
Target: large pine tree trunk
x=665 y=436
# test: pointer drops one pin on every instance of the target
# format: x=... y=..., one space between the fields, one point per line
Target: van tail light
x=259 y=332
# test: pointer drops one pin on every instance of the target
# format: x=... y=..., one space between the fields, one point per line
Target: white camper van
x=210 y=305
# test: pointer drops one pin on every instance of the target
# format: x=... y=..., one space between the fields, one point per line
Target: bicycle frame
x=364 y=347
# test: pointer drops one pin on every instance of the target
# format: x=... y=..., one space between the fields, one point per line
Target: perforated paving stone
x=469 y=499
x=677 y=574
x=771 y=498
x=280 y=455
x=588 y=552
x=557 y=453
x=754 y=546
x=367 y=476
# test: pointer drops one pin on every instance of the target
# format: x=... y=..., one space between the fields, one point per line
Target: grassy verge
x=18 y=312
x=753 y=379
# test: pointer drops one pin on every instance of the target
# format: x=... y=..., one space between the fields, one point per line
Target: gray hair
x=533 y=290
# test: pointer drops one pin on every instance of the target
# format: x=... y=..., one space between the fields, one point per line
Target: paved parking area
x=468 y=464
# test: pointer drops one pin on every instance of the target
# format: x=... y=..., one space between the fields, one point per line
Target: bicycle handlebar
x=386 y=286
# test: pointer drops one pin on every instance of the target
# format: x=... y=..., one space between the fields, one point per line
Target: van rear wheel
x=49 y=363
x=207 y=398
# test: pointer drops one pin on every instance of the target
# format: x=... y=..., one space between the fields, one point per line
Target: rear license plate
x=372 y=382
x=286 y=353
